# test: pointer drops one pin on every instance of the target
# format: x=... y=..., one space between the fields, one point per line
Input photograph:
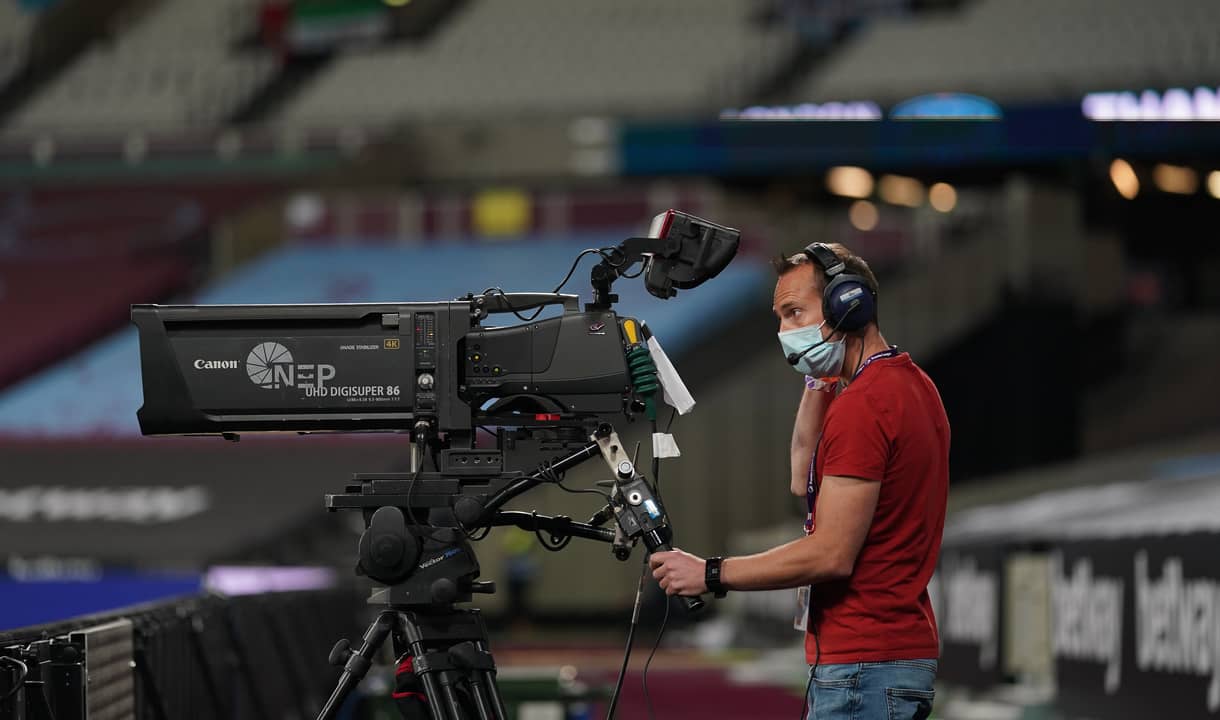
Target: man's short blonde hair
x=853 y=264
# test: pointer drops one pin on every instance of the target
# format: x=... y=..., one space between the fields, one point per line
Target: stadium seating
x=15 y=28
x=51 y=308
x=534 y=56
x=175 y=68
x=73 y=258
x=1019 y=49
x=89 y=220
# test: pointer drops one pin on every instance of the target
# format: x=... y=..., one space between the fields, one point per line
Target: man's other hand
x=679 y=573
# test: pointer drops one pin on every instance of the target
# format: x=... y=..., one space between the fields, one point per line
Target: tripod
x=451 y=658
x=426 y=568
x=448 y=644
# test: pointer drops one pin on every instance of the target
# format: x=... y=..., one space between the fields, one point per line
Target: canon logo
x=201 y=364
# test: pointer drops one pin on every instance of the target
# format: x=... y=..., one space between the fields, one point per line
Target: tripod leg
x=358 y=663
x=481 y=702
x=487 y=696
x=408 y=685
x=493 y=688
x=440 y=697
x=437 y=672
x=477 y=658
x=438 y=701
x=451 y=699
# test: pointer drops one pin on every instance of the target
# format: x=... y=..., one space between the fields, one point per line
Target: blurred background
x=1036 y=184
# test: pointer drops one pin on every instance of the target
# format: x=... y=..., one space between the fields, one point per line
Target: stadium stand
x=405 y=216
x=52 y=308
x=70 y=221
x=73 y=259
x=1019 y=49
x=496 y=58
x=15 y=28
x=1128 y=410
x=176 y=68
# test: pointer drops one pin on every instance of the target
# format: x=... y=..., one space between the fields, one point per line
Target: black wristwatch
x=711 y=577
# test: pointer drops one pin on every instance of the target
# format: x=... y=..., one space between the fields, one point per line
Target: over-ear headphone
x=848 y=303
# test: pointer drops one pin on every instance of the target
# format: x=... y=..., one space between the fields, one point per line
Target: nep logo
x=260 y=364
x=270 y=366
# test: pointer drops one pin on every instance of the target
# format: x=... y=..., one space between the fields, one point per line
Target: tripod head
x=429 y=562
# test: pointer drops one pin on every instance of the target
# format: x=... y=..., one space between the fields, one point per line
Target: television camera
x=436 y=370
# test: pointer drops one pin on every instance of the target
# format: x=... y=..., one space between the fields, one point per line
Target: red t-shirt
x=889 y=425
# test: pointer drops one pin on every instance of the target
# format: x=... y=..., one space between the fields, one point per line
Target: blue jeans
x=892 y=690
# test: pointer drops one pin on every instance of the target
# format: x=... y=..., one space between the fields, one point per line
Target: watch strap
x=711 y=577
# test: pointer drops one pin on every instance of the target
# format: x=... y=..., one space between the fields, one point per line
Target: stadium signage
x=1177 y=623
x=1136 y=626
x=1174 y=104
x=1086 y=617
x=947 y=106
x=971 y=599
x=968 y=595
x=857 y=110
x=140 y=505
x=934 y=106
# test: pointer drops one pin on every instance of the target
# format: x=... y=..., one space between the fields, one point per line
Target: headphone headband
x=831 y=263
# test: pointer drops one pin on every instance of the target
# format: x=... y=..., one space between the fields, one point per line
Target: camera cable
x=656 y=478
x=635 y=621
x=605 y=253
x=635 y=614
x=22 y=668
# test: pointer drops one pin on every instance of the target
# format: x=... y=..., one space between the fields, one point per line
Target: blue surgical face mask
x=826 y=358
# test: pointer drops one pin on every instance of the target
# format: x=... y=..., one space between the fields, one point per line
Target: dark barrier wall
x=167 y=503
x=259 y=656
x=1136 y=626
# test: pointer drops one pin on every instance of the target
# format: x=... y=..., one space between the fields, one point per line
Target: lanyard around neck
x=889 y=352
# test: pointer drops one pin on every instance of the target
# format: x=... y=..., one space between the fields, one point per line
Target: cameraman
x=870 y=453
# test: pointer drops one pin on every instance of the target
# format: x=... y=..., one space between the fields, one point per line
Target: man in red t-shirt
x=876 y=489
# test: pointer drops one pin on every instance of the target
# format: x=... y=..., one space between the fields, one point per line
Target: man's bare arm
x=805 y=432
x=844 y=515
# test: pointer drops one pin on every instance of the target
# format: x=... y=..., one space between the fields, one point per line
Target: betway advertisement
x=1136 y=626
x=969 y=610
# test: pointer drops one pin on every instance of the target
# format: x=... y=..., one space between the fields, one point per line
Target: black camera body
x=229 y=369
x=373 y=367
